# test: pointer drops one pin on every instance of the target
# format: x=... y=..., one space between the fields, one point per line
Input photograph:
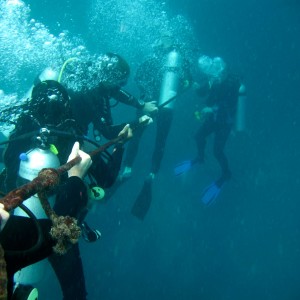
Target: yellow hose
x=64 y=66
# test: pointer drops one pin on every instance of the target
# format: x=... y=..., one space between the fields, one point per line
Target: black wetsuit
x=93 y=106
x=222 y=98
x=148 y=78
x=20 y=234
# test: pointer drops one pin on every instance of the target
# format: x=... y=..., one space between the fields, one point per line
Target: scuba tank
x=240 y=124
x=170 y=81
x=31 y=163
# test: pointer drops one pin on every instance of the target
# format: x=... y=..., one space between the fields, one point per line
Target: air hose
x=39 y=241
x=63 y=67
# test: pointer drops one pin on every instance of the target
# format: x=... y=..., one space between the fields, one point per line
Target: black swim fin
x=143 y=201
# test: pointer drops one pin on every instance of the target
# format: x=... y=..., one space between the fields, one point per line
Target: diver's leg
x=20 y=236
x=205 y=129
x=164 y=121
x=221 y=137
x=69 y=271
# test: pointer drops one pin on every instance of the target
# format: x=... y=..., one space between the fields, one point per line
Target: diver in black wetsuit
x=160 y=77
x=221 y=91
x=49 y=107
x=18 y=234
x=93 y=105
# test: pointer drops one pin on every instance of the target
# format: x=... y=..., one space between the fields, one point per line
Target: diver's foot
x=25 y=292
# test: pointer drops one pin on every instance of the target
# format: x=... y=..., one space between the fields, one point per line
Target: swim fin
x=183 y=167
x=211 y=193
x=144 y=199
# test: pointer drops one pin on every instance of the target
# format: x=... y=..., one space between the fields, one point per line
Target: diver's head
x=115 y=70
x=214 y=68
x=49 y=103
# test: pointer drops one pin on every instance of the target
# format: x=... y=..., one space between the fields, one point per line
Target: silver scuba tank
x=170 y=81
x=30 y=165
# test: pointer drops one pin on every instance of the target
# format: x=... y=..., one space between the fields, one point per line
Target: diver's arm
x=128 y=99
x=111 y=131
x=105 y=172
x=72 y=198
x=114 y=165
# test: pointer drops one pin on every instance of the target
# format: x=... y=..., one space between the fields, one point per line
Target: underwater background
x=245 y=246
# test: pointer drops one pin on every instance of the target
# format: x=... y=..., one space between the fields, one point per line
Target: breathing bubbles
x=130 y=27
x=7 y=117
x=27 y=47
x=127 y=27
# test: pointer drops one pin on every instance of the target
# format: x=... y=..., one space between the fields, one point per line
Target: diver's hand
x=150 y=107
x=82 y=167
x=127 y=134
x=146 y=120
x=4 y=216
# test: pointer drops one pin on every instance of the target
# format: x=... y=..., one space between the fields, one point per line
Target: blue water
x=246 y=246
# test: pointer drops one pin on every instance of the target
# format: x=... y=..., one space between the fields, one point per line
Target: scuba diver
x=160 y=78
x=28 y=240
x=48 y=128
x=92 y=105
x=224 y=96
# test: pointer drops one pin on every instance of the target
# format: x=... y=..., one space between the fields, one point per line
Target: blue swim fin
x=211 y=193
x=183 y=167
